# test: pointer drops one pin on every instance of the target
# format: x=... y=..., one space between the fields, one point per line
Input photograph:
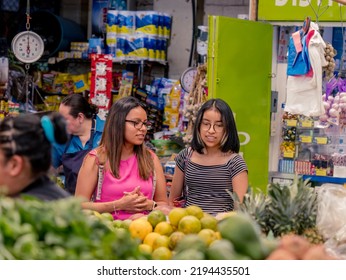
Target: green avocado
x=244 y=234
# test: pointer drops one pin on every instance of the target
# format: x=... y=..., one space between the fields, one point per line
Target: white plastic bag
x=331 y=218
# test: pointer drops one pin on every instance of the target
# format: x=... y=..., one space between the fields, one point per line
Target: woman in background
x=85 y=130
x=25 y=155
x=211 y=168
x=131 y=180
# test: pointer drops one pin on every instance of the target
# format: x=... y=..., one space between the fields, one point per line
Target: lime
x=195 y=210
x=189 y=224
x=175 y=215
x=156 y=217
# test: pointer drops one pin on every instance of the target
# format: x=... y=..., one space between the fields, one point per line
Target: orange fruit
x=162 y=253
x=175 y=215
x=164 y=228
x=161 y=241
x=218 y=235
x=189 y=224
x=209 y=221
x=195 y=210
x=156 y=217
x=174 y=238
x=150 y=238
x=145 y=249
x=207 y=235
x=140 y=228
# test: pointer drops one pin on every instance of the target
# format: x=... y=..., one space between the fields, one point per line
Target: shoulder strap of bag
x=186 y=160
x=99 y=182
x=100 y=176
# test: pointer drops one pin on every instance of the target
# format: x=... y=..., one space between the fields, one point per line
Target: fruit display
x=60 y=230
x=189 y=233
x=278 y=225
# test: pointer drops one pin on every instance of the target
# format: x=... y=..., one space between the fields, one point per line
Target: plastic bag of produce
x=331 y=218
x=331 y=213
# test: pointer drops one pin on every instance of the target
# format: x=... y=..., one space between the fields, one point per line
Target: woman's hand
x=133 y=203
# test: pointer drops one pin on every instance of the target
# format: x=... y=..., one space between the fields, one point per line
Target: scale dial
x=187 y=78
x=27 y=46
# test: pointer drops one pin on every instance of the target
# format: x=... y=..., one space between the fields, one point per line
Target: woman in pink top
x=133 y=179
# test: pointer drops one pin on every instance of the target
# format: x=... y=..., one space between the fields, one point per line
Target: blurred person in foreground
x=25 y=155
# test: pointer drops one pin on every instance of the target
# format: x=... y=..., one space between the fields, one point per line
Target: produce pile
x=295 y=247
x=329 y=54
x=35 y=230
x=189 y=233
x=280 y=224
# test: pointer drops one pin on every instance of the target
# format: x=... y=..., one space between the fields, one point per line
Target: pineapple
x=313 y=236
x=285 y=209
x=292 y=208
x=255 y=204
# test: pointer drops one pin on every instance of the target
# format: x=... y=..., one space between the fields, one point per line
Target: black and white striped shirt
x=206 y=185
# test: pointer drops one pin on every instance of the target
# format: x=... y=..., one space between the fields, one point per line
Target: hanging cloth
x=304 y=93
x=298 y=62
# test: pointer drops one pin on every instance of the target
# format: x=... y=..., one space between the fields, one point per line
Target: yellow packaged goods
x=172 y=105
x=171 y=118
x=52 y=102
x=81 y=82
x=66 y=83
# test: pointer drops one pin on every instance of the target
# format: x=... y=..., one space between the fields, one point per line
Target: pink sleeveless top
x=113 y=188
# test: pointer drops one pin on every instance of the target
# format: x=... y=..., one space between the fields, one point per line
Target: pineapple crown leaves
x=255 y=204
x=284 y=208
x=294 y=209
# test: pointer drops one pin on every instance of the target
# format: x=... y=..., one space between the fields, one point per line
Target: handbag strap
x=100 y=176
x=99 y=181
x=186 y=160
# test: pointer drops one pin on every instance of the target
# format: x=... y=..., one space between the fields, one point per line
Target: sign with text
x=298 y=10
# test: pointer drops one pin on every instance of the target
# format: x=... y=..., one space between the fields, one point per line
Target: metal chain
x=27 y=66
x=28 y=15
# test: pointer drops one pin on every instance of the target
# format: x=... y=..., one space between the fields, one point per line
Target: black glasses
x=139 y=124
x=218 y=127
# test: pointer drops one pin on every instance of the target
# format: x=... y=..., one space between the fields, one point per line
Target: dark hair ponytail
x=26 y=136
x=79 y=104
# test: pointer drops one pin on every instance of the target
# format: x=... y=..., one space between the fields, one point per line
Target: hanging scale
x=27 y=46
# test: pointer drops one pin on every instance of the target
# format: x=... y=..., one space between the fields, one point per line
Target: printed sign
x=298 y=10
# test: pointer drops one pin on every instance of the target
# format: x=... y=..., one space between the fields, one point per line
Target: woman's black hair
x=79 y=104
x=24 y=135
x=230 y=142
